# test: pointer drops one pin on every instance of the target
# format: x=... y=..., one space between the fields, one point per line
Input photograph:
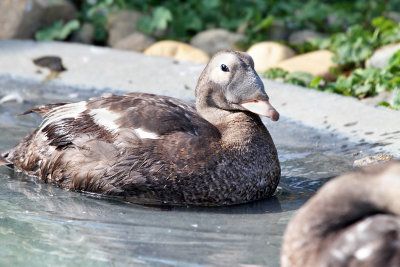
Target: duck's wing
x=112 y=123
x=152 y=114
x=374 y=241
x=121 y=119
x=79 y=142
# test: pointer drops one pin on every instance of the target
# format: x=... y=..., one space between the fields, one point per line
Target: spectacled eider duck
x=353 y=220
x=161 y=150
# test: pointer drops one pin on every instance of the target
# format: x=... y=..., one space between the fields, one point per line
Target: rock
x=316 y=63
x=53 y=63
x=84 y=35
x=120 y=25
x=177 y=50
x=300 y=37
x=21 y=19
x=277 y=31
x=381 y=56
x=394 y=16
x=212 y=41
x=57 y=10
x=333 y=21
x=136 y=41
x=372 y=160
x=268 y=54
x=386 y=96
x=122 y=33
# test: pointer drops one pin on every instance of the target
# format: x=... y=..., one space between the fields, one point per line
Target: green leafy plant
x=181 y=19
x=158 y=21
x=298 y=77
x=357 y=44
x=352 y=47
x=386 y=31
x=275 y=73
x=58 y=31
x=370 y=81
x=396 y=100
x=360 y=83
x=96 y=13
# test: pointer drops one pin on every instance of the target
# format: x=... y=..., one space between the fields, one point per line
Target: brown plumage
x=161 y=150
x=353 y=220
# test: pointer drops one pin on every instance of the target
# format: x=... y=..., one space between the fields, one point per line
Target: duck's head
x=229 y=82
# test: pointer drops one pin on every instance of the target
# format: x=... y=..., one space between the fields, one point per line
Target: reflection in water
x=38 y=219
x=42 y=223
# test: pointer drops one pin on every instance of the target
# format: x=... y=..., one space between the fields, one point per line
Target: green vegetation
x=352 y=49
x=361 y=83
x=58 y=31
x=357 y=44
x=181 y=19
x=355 y=29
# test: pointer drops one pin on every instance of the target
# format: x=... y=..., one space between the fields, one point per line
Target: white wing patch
x=105 y=118
x=364 y=252
x=72 y=110
x=145 y=134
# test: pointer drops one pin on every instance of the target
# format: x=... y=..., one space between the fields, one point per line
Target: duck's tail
x=43 y=110
x=4 y=161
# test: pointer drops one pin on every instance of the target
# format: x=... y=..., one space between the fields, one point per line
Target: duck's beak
x=262 y=108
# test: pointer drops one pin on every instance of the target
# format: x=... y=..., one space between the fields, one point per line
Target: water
x=42 y=225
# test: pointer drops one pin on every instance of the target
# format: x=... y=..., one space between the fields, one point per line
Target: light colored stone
x=214 y=40
x=84 y=35
x=372 y=160
x=268 y=54
x=385 y=96
x=20 y=19
x=381 y=56
x=299 y=37
x=15 y=17
x=316 y=63
x=136 y=42
x=120 y=25
x=394 y=16
x=177 y=50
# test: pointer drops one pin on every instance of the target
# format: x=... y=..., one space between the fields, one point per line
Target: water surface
x=42 y=225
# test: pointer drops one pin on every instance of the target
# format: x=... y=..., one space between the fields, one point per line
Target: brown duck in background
x=353 y=220
x=156 y=149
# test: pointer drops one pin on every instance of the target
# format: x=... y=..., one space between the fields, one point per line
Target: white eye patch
x=217 y=75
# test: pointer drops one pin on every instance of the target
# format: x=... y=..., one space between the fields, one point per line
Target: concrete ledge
x=97 y=67
x=105 y=68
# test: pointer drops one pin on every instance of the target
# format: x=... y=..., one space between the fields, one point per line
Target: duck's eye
x=224 y=68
